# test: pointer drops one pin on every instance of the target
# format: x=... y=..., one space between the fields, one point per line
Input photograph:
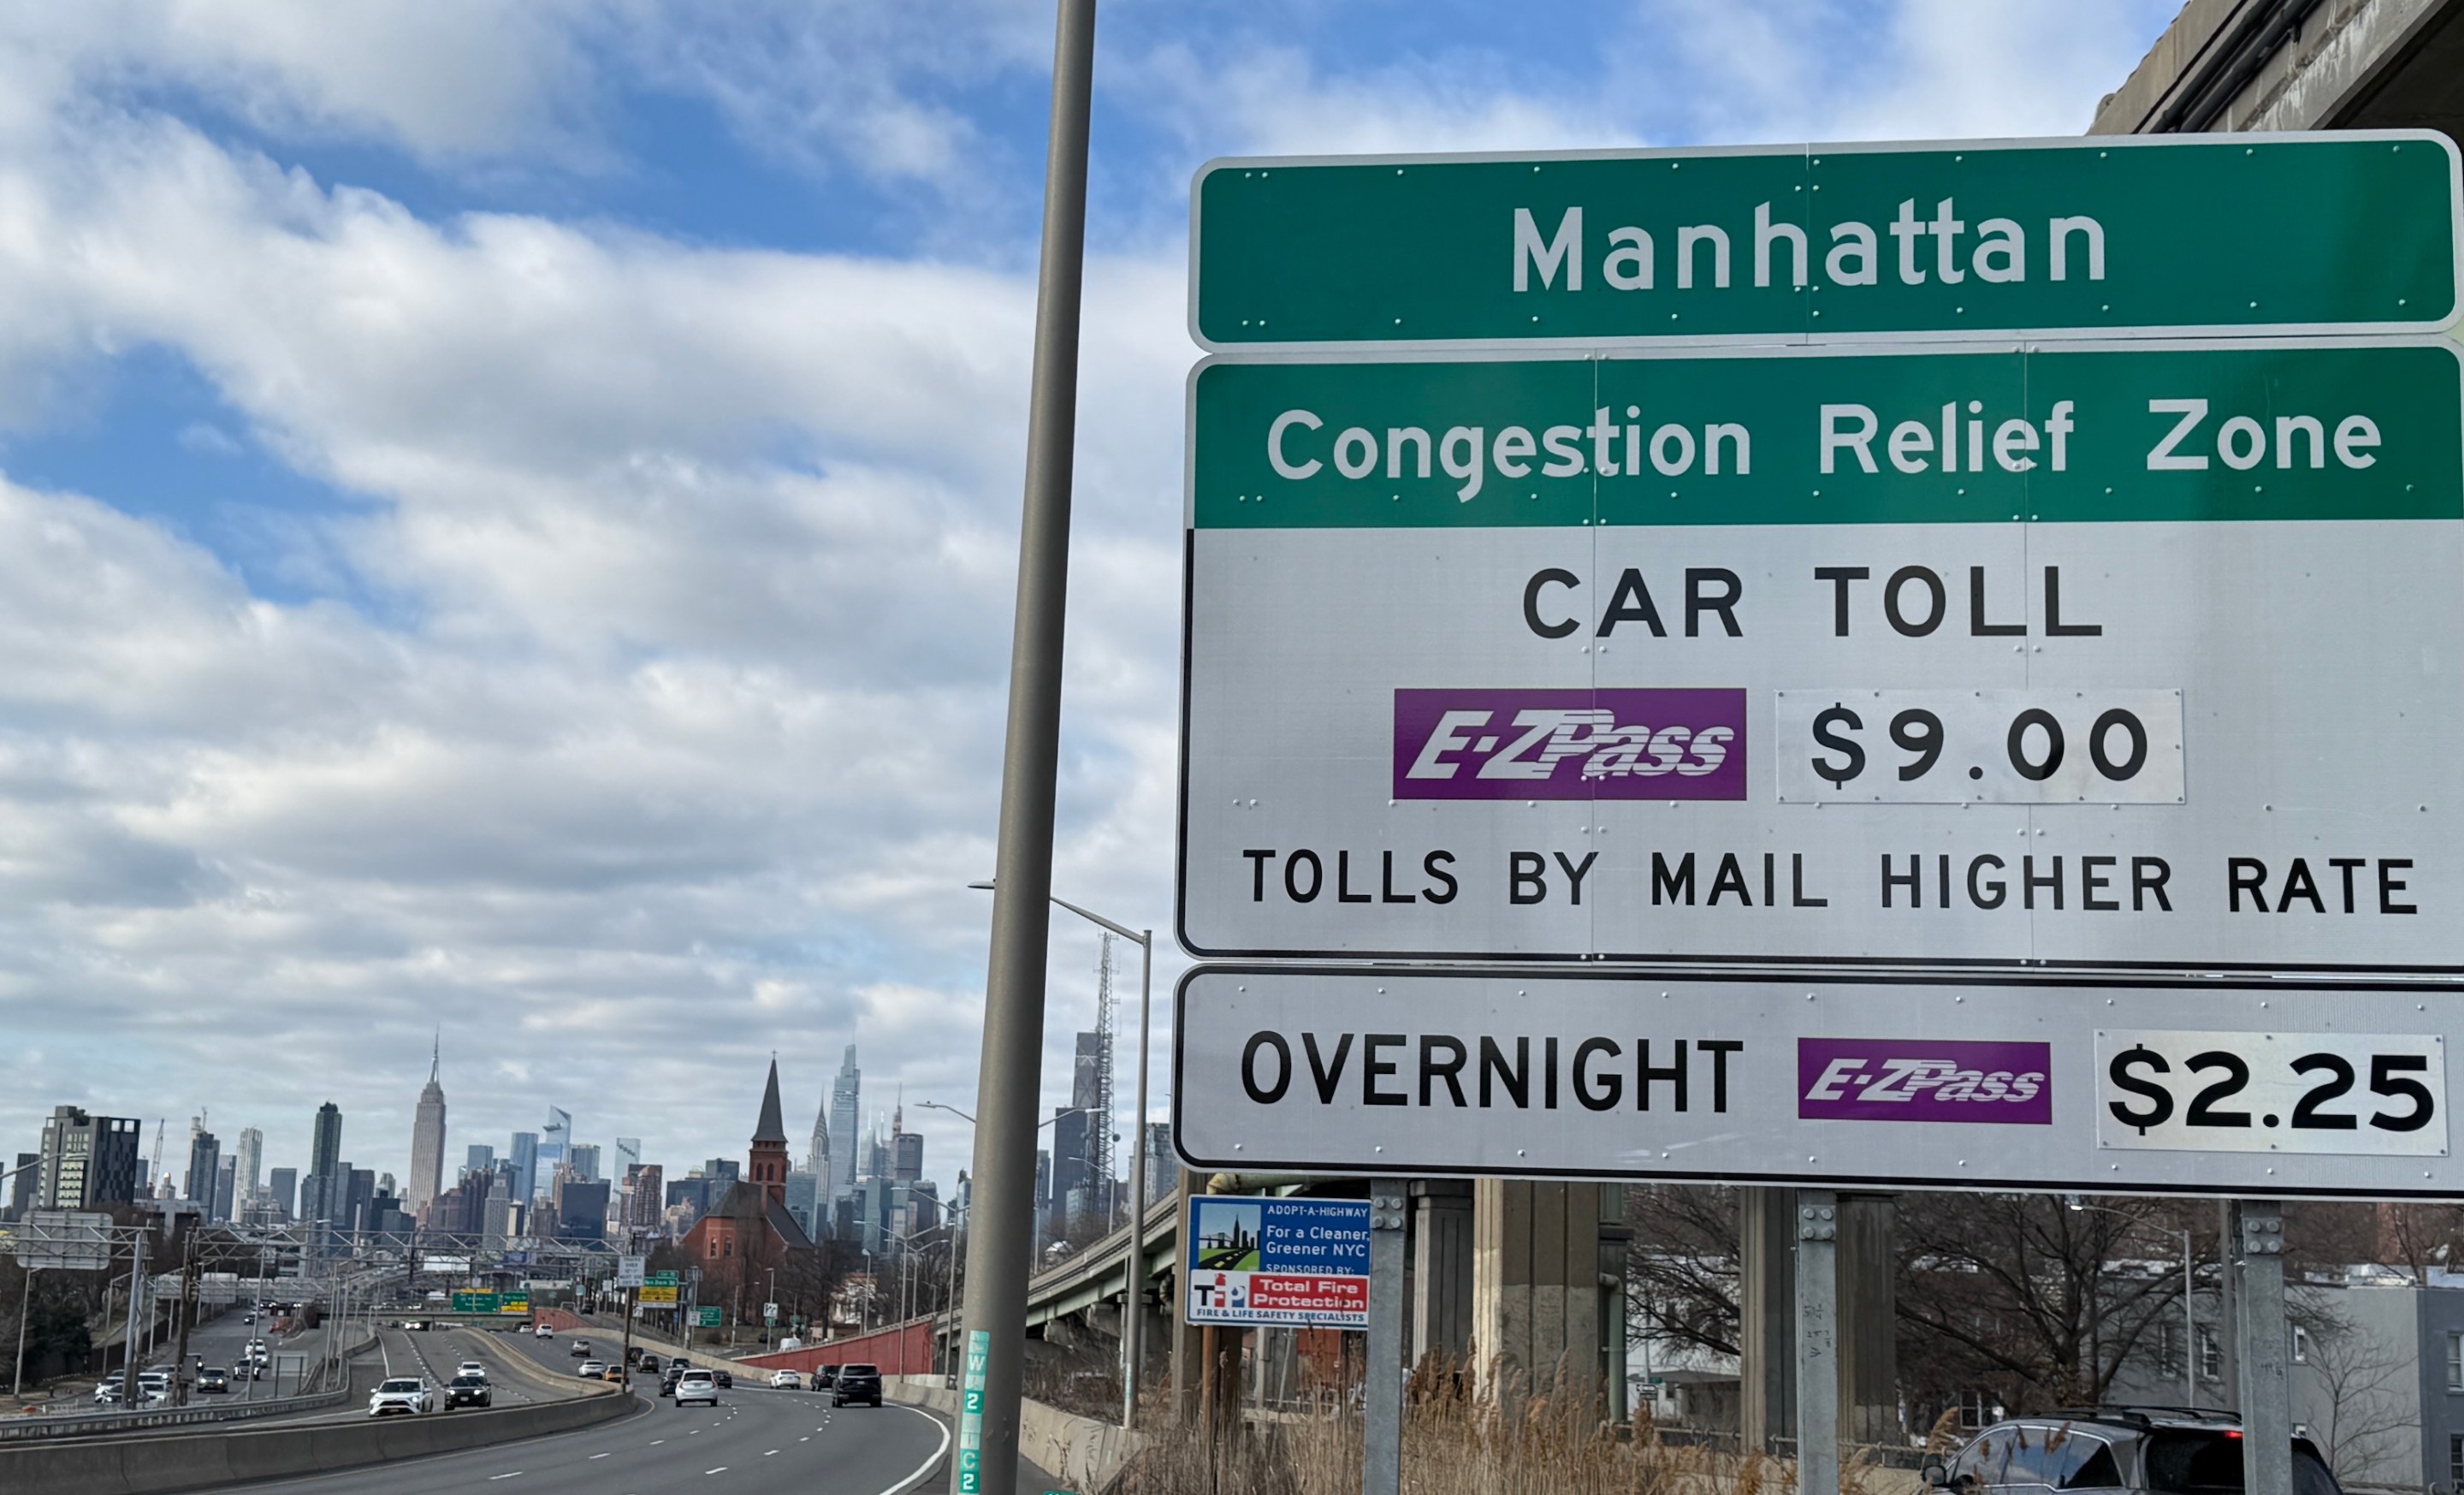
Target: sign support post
x=1001 y=1245
x=1818 y=1340
x=2263 y=1339
x=1381 y=1460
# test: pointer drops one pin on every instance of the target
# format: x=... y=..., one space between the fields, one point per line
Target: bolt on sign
x=2349 y=231
x=2115 y=1084
x=2135 y=654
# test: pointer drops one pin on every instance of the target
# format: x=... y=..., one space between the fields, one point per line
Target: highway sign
x=2221 y=1088
x=629 y=1271
x=659 y=1293
x=1254 y=1260
x=2353 y=230
x=477 y=1303
x=706 y=1317
x=63 y=1240
x=513 y=1303
x=2112 y=654
x=662 y=1278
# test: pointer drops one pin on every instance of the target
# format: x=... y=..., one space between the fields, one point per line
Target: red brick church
x=749 y=1224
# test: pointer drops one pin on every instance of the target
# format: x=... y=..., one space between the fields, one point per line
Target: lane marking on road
x=601 y=1455
x=721 y=1469
x=768 y=1455
x=924 y=1470
x=513 y=1475
x=656 y=1442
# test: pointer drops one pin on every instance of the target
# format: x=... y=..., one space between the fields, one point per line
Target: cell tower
x=1099 y=1126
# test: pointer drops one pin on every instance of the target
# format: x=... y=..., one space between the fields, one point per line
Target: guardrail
x=202 y=1461
x=89 y=1424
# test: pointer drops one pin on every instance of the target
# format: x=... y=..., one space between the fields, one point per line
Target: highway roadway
x=756 y=1441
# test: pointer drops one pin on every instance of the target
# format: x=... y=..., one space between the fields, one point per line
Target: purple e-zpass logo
x=1914 y=1079
x=1600 y=744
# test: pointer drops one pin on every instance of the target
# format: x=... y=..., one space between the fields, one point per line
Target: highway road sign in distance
x=2111 y=654
x=1253 y=1260
x=706 y=1317
x=630 y=1271
x=477 y=1303
x=658 y=1294
x=2213 y=1087
x=2353 y=230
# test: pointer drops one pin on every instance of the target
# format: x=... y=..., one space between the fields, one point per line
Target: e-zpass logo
x=1852 y=1079
x=1570 y=744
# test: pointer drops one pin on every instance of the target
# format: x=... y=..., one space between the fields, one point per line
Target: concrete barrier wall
x=1082 y=1453
x=903 y=1350
x=183 y=1462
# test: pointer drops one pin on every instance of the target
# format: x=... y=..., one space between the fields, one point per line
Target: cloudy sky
x=507 y=510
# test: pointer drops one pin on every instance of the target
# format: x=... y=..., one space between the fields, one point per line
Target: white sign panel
x=2107 y=656
x=2253 y=1089
x=64 y=1240
x=630 y=1271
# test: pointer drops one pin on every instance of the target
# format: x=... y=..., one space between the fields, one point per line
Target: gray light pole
x=1133 y=1323
x=1001 y=1248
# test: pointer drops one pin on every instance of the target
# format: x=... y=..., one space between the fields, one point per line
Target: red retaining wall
x=905 y=1350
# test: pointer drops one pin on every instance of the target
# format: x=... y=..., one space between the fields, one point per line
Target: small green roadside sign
x=2354 y=231
x=475 y=1303
x=706 y=1317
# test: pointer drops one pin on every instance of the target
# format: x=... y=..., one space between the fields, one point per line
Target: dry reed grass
x=1524 y=1438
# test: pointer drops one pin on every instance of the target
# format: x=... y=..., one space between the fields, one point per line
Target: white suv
x=472 y=1368
x=402 y=1393
x=697 y=1386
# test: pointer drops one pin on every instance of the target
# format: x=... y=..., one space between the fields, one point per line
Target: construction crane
x=1099 y=1126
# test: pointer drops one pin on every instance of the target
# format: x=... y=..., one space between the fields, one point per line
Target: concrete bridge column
x=1536 y=1294
x=1441 y=1270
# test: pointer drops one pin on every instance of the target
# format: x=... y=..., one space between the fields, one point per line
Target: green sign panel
x=475 y=1303
x=2077 y=433
x=706 y=1318
x=2354 y=231
x=661 y=1279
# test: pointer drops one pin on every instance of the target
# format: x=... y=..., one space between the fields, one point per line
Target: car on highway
x=616 y=1374
x=651 y=1365
x=214 y=1378
x=107 y=1394
x=786 y=1380
x=825 y=1377
x=667 y=1382
x=592 y=1370
x=469 y=1390
x=472 y=1368
x=546 y=1332
x=580 y=1347
x=725 y=1377
x=2142 y=1451
x=697 y=1386
x=857 y=1383
x=401 y=1394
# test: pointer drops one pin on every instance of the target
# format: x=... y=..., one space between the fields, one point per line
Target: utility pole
x=1001 y=1245
x=129 y=1336
x=25 y=1310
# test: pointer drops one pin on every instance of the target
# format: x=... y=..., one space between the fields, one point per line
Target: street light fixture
x=2189 y=1316
x=1132 y=1322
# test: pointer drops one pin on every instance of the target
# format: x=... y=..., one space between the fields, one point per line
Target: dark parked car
x=214 y=1378
x=468 y=1390
x=857 y=1383
x=2151 y=1451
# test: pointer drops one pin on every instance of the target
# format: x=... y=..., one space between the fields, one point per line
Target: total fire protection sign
x=2128 y=655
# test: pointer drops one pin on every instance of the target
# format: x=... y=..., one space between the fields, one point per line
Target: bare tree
x=2366 y=1422
x=1681 y=1276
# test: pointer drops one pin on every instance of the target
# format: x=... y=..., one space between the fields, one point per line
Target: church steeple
x=768 y=1162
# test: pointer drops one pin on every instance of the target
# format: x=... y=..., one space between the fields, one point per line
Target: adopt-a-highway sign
x=1258 y=1260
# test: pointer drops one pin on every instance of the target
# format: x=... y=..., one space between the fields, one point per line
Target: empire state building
x=427 y=1144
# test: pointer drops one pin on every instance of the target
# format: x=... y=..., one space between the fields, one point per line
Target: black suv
x=469 y=1390
x=857 y=1383
x=2142 y=1450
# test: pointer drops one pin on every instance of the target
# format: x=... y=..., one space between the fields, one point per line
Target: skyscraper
x=248 y=1162
x=205 y=1155
x=326 y=1144
x=819 y=1188
x=525 y=1158
x=905 y=1149
x=845 y=1120
x=427 y=1140
x=629 y=1156
x=87 y=1161
x=582 y=1159
x=226 y=1190
x=324 y=1194
x=479 y=1158
x=283 y=1186
x=555 y=1138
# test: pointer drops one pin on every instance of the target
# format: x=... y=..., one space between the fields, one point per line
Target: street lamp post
x=1132 y=1321
x=2190 y=1316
